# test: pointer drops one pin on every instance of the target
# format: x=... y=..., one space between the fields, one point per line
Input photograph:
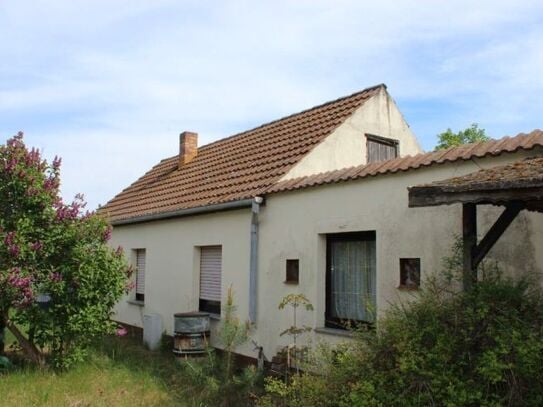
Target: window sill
x=136 y=302
x=215 y=317
x=290 y=282
x=406 y=288
x=333 y=331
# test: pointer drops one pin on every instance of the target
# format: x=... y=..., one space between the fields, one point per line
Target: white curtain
x=353 y=290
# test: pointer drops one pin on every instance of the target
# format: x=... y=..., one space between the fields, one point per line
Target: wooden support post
x=469 y=240
x=508 y=215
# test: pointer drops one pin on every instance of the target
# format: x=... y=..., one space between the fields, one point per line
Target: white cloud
x=110 y=84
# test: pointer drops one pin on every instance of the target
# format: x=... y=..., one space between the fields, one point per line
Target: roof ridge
x=370 y=88
x=375 y=87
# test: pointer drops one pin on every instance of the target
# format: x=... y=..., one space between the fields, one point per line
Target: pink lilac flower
x=32 y=157
x=121 y=331
x=129 y=270
x=107 y=234
x=55 y=277
x=31 y=192
x=88 y=214
x=37 y=246
x=15 y=279
x=14 y=250
x=56 y=163
x=28 y=297
x=10 y=237
x=10 y=166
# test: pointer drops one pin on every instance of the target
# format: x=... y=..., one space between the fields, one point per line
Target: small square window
x=293 y=271
x=410 y=273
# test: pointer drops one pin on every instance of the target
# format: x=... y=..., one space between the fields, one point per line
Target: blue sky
x=109 y=85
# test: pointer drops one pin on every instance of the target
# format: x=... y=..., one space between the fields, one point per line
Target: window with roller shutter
x=210 y=279
x=140 y=274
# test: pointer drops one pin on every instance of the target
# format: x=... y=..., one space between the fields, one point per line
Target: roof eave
x=199 y=210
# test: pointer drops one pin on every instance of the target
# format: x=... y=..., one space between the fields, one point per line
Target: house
x=313 y=203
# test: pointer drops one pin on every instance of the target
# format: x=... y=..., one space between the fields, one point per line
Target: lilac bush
x=58 y=276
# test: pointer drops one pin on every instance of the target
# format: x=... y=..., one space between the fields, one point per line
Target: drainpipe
x=253 y=264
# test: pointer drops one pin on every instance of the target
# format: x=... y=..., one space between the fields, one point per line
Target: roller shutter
x=140 y=274
x=210 y=273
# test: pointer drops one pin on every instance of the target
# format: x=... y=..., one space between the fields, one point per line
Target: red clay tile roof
x=519 y=174
x=235 y=168
x=519 y=181
x=464 y=152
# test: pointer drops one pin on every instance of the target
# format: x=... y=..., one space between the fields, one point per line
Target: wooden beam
x=502 y=223
x=469 y=240
x=434 y=196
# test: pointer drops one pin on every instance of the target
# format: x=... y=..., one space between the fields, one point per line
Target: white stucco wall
x=294 y=225
x=172 y=262
x=380 y=204
x=346 y=146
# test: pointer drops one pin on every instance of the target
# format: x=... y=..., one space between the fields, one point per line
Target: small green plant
x=295 y=301
x=233 y=333
x=217 y=378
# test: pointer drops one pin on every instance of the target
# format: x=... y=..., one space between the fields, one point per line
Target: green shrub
x=478 y=348
x=59 y=279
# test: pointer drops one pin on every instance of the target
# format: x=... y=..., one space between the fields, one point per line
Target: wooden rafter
x=473 y=252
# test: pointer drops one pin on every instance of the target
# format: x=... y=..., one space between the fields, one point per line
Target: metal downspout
x=253 y=264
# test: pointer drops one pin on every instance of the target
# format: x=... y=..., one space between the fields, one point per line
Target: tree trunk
x=2 y=335
x=28 y=347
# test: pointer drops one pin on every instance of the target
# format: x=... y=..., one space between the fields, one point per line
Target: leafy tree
x=472 y=134
x=58 y=277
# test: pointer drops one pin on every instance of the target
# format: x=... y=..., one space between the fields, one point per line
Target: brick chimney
x=188 y=147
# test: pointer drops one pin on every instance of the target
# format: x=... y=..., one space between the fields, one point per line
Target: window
x=293 y=271
x=410 y=273
x=140 y=274
x=210 y=279
x=350 y=279
x=380 y=148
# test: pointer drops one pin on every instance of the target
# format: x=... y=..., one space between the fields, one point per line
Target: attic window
x=380 y=148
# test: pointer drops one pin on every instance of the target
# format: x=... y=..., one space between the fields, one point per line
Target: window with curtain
x=350 y=279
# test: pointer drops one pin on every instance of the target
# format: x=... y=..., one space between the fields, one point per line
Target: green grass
x=119 y=372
